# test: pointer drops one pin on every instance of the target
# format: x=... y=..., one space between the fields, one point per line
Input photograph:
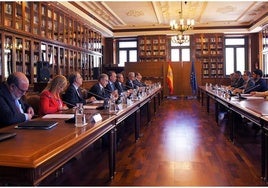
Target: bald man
x=13 y=110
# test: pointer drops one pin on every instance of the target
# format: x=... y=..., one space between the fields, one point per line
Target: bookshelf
x=209 y=50
x=152 y=48
x=40 y=31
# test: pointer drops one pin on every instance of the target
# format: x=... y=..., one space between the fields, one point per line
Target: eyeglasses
x=21 y=90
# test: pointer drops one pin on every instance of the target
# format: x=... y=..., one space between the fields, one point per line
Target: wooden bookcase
x=209 y=50
x=39 y=31
x=152 y=48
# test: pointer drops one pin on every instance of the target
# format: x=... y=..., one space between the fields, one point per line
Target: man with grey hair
x=13 y=109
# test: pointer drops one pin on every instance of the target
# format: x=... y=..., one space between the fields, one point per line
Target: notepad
x=5 y=136
x=43 y=125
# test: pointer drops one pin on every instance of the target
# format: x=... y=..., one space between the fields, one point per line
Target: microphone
x=105 y=103
x=69 y=104
x=129 y=87
x=101 y=97
x=252 y=88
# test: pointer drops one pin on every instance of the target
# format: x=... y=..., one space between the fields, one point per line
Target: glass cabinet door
x=18 y=15
x=27 y=16
x=8 y=9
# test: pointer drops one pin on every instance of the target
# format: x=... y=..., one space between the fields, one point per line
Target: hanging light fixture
x=180 y=39
x=182 y=26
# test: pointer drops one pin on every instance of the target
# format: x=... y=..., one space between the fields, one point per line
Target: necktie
x=18 y=105
x=79 y=92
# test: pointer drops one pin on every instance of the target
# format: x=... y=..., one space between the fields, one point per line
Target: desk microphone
x=69 y=104
x=251 y=88
x=105 y=103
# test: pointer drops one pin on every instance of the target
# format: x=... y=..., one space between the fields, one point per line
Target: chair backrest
x=34 y=101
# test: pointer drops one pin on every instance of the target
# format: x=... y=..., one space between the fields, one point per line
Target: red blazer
x=48 y=103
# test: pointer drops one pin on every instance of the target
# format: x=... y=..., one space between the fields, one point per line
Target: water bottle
x=112 y=105
x=79 y=115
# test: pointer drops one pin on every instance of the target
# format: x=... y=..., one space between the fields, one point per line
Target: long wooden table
x=255 y=110
x=33 y=155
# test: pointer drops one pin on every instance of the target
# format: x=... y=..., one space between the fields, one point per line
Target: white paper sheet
x=90 y=107
x=59 y=116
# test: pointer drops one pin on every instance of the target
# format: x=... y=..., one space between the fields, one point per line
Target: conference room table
x=254 y=109
x=33 y=155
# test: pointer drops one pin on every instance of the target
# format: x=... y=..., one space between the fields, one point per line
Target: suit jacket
x=238 y=83
x=99 y=94
x=130 y=84
x=9 y=113
x=248 y=85
x=138 y=83
x=71 y=96
x=120 y=87
x=261 y=85
x=110 y=87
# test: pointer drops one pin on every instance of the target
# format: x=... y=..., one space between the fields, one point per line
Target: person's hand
x=30 y=110
x=91 y=99
x=63 y=108
x=253 y=93
x=30 y=116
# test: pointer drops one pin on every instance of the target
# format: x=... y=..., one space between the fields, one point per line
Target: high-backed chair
x=34 y=101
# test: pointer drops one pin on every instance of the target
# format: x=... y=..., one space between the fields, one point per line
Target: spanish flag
x=170 y=79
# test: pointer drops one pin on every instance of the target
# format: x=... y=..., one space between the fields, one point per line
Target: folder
x=43 y=125
x=6 y=135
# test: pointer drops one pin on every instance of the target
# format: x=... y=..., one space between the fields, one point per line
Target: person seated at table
x=247 y=85
x=50 y=98
x=130 y=84
x=73 y=93
x=110 y=87
x=138 y=81
x=238 y=80
x=98 y=89
x=13 y=109
x=260 y=83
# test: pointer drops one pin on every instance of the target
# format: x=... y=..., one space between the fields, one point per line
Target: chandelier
x=182 y=26
x=180 y=39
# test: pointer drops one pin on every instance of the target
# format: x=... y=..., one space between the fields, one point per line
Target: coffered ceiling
x=131 y=18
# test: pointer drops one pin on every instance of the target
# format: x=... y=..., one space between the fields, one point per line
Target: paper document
x=60 y=116
x=252 y=97
x=90 y=107
x=97 y=101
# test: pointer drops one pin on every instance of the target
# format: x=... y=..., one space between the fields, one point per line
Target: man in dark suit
x=13 y=109
x=138 y=81
x=98 y=89
x=74 y=94
x=259 y=82
x=238 y=80
x=119 y=83
x=130 y=81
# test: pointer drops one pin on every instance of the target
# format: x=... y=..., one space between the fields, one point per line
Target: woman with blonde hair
x=50 y=98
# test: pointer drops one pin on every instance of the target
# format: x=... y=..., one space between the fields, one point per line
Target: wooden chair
x=34 y=100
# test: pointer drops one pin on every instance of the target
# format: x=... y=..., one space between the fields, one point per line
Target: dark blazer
x=248 y=85
x=9 y=114
x=130 y=85
x=261 y=85
x=120 y=87
x=99 y=94
x=138 y=83
x=71 y=96
x=110 y=87
x=238 y=83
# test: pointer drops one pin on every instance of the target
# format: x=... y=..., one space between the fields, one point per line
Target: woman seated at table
x=50 y=100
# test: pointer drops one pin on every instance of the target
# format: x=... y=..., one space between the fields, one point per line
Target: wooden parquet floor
x=182 y=146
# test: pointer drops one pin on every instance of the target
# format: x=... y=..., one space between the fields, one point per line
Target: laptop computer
x=7 y=135
x=43 y=125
